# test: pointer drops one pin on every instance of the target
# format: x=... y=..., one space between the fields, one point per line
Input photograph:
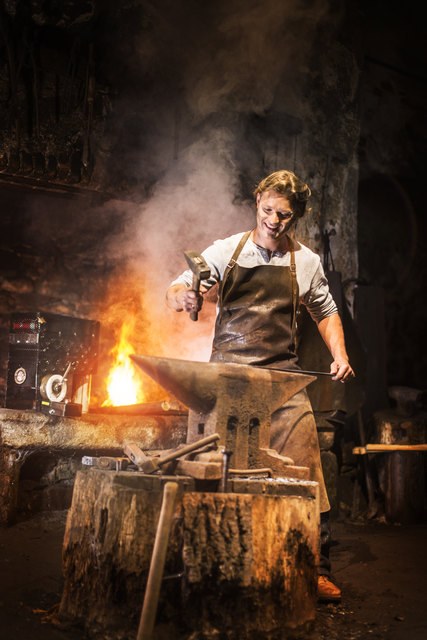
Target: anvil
x=234 y=400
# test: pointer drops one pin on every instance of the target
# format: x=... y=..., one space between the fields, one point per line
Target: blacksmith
x=264 y=275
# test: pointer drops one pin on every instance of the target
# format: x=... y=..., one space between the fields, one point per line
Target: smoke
x=252 y=49
x=226 y=54
x=202 y=71
x=191 y=206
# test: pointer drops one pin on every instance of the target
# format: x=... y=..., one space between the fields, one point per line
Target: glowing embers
x=124 y=382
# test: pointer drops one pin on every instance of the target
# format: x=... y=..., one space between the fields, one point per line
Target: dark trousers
x=325 y=543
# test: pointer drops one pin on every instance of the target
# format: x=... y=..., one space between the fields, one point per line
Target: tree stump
x=239 y=565
x=403 y=484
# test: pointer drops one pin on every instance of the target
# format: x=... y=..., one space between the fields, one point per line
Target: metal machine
x=51 y=361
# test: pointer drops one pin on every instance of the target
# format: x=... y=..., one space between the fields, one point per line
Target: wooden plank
x=199 y=470
x=384 y=448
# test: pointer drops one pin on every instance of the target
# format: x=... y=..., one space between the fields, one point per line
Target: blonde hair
x=287 y=184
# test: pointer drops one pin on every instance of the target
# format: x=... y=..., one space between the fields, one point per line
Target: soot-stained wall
x=392 y=223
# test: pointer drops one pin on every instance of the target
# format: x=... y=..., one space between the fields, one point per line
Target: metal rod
x=308 y=373
x=372 y=503
x=265 y=471
x=151 y=598
x=225 y=468
x=64 y=377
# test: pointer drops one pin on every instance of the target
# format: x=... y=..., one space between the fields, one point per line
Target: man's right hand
x=180 y=298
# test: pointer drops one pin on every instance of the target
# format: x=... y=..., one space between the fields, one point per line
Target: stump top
x=137 y=481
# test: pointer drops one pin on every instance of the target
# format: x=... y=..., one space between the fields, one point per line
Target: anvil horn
x=193 y=383
x=198 y=384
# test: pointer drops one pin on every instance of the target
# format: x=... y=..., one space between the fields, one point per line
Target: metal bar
x=265 y=471
x=307 y=373
x=225 y=468
x=372 y=503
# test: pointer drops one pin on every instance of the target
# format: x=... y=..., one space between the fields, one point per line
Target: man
x=264 y=275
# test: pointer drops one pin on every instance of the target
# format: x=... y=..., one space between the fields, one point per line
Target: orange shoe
x=327 y=591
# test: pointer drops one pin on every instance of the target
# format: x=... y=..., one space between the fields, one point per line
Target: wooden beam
x=387 y=448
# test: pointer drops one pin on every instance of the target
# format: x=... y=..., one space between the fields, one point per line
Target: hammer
x=200 y=271
x=149 y=464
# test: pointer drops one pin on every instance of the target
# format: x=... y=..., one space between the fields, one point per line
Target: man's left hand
x=342 y=371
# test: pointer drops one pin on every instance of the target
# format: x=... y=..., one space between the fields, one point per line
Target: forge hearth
x=40 y=454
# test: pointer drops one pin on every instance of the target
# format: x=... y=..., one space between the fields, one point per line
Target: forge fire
x=124 y=385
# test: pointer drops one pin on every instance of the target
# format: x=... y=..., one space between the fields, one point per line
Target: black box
x=42 y=348
x=70 y=409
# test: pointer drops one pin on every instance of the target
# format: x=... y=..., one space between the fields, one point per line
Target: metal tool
x=138 y=457
x=226 y=454
x=105 y=462
x=150 y=464
x=307 y=373
x=200 y=271
x=370 y=486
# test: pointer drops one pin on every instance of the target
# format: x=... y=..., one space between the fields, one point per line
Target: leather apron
x=256 y=326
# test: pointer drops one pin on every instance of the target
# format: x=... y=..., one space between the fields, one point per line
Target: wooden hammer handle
x=193 y=446
x=196 y=286
x=155 y=575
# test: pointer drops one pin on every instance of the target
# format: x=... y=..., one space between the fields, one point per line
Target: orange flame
x=123 y=386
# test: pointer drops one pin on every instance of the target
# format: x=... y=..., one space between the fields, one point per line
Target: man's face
x=274 y=216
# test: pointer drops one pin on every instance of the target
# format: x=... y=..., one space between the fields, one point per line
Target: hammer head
x=197 y=264
x=146 y=464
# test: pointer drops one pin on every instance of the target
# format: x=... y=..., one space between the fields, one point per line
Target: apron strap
x=230 y=265
x=294 y=292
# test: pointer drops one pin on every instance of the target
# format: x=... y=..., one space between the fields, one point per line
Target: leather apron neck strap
x=229 y=267
x=293 y=271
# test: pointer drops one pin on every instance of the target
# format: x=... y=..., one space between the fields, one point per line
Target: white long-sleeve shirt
x=313 y=287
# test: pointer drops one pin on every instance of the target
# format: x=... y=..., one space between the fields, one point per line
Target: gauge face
x=20 y=375
x=53 y=388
